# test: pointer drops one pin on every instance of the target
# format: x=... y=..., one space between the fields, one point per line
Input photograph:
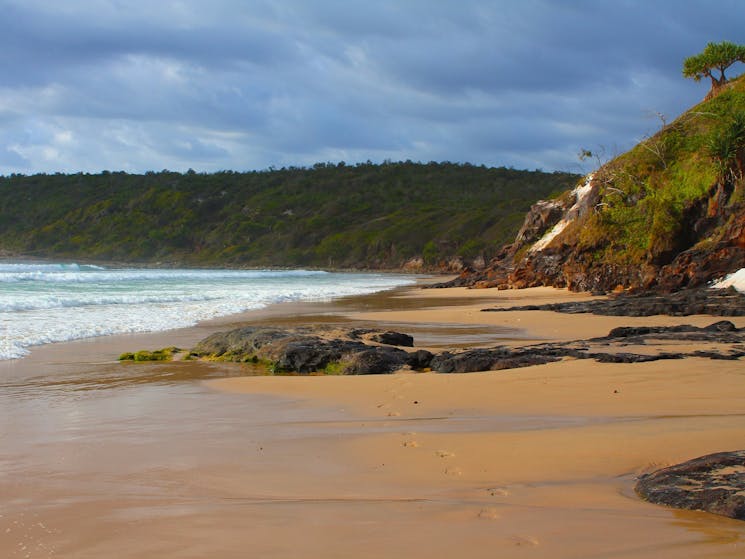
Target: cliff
x=669 y=214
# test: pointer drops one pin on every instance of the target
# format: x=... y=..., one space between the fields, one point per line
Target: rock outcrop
x=667 y=215
x=714 y=483
x=360 y=351
x=312 y=349
x=716 y=302
x=723 y=340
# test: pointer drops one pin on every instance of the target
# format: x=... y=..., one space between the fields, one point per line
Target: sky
x=209 y=85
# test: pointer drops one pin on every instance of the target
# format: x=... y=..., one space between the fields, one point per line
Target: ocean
x=54 y=302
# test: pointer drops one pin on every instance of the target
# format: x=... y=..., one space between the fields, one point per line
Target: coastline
x=533 y=462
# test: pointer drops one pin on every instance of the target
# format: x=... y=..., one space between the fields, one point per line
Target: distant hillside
x=670 y=213
x=363 y=216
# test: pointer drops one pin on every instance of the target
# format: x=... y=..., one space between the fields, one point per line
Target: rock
x=492 y=359
x=318 y=349
x=488 y=360
x=721 y=326
x=468 y=277
x=393 y=338
x=308 y=355
x=624 y=357
x=714 y=483
x=420 y=359
x=413 y=265
x=478 y=263
x=717 y=302
x=554 y=248
x=543 y=215
x=700 y=265
x=375 y=360
x=466 y=362
x=238 y=342
x=311 y=349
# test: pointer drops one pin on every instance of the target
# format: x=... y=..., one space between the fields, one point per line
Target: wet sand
x=102 y=459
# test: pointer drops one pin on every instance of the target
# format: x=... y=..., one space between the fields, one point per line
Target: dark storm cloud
x=138 y=85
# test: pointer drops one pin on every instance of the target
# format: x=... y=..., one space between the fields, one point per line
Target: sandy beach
x=185 y=459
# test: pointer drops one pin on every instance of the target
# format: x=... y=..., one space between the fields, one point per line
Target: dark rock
x=420 y=359
x=238 y=342
x=629 y=331
x=393 y=338
x=633 y=357
x=722 y=326
x=488 y=360
x=467 y=278
x=717 y=302
x=466 y=362
x=732 y=356
x=508 y=358
x=310 y=354
x=713 y=483
x=718 y=332
x=376 y=360
x=301 y=350
x=313 y=349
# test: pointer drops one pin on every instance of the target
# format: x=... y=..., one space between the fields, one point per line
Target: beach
x=195 y=459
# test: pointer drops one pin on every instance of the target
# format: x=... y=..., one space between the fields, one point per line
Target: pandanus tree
x=712 y=63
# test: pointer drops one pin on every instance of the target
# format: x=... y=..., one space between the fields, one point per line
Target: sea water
x=53 y=302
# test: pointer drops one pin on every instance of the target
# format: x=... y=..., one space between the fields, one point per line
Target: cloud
x=87 y=85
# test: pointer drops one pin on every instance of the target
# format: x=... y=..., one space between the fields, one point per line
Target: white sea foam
x=43 y=303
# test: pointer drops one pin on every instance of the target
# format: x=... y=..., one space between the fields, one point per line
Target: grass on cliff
x=648 y=193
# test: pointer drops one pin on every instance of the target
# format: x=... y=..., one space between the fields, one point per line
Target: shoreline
x=201 y=325
x=188 y=459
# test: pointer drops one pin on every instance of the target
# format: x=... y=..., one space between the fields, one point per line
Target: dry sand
x=154 y=461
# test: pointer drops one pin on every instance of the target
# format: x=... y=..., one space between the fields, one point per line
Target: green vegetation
x=673 y=189
x=165 y=354
x=334 y=216
x=716 y=57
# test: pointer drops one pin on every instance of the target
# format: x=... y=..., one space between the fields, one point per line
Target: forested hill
x=363 y=216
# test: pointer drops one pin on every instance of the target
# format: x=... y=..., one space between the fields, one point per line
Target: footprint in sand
x=444 y=454
x=453 y=471
x=410 y=444
x=525 y=541
x=498 y=491
x=489 y=514
x=393 y=413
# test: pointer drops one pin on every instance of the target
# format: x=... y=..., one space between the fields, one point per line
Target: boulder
x=420 y=359
x=713 y=483
x=312 y=349
x=375 y=360
x=393 y=338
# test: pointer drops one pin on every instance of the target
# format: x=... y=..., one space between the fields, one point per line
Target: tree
x=716 y=57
